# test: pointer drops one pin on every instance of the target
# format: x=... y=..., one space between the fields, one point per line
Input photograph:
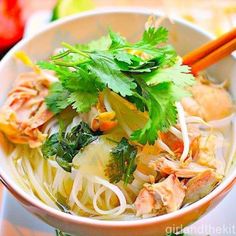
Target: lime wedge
x=69 y=7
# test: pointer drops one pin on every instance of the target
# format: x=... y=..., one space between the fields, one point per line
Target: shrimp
x=208 y=102
x=163 y=197
x=25 y=111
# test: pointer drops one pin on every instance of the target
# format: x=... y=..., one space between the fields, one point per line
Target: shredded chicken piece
x=24 y=111
x=207 y=101
x=210 y=152
x=163 y=197
x=201 y=185
x=168 y=166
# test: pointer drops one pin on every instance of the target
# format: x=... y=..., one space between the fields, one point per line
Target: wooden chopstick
x=212 y=52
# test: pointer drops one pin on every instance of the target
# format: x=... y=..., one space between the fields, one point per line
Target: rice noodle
x=134 y=189
x=176 y=132
x=184 y=130
x=20 y=177
x=232 y=151
x=99 y=200
x=91 y=189
x=122 y=188
x=76 y=120
x=58 y=178
x=164 y=147
x=137 y=184
x=196 y=119
x=108 y=195
x=84 y=199
x=35 y=184
x=222 y=122
x=219 y=152
x=116 y=211
x=51 y=127
x=53 y=163
x=77 y=187
x=141 y=176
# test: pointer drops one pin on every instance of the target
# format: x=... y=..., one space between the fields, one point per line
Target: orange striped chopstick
x=210 y=53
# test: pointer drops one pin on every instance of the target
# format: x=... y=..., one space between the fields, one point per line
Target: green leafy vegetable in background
x=146 y=73
x=122 y=163
x=64 y=146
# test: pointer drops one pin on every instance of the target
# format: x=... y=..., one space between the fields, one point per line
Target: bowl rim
x=32 y=201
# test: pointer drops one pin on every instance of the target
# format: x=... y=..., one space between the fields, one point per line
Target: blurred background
x=216 y=16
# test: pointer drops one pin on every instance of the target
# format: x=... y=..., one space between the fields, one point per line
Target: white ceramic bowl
x=82 y=28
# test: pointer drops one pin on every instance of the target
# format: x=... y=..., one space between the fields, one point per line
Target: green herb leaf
x=122 y=164
x=57 y=99
x=178 y=74
x=64 y=146
x=108 y=71
x=100 y=44
x=50 y=146
x=125 y=57
x=154 y=36
x=83 y=101
x=116 y=40
x=162 y=112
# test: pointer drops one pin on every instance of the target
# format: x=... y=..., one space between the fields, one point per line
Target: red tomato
x=11 y=24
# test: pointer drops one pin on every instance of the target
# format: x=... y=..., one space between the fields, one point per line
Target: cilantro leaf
x=81 y=80
x=154 y=36
x=83 y=101
x=57 y=99
x=109 y=72
x=62 y=72
x=125 y=57
x=178 y=74
x=122 y=163
x=150 y=41
x=73 y=80
x=116 y=40
x=162 y=113
x=100 y=44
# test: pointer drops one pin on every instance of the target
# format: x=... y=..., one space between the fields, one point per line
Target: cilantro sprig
x=147 y=73
x=122 y=163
